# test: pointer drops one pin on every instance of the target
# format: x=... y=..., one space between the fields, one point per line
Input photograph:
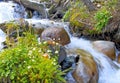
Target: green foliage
x=11 y=26
x=90 y=21
x=29 y=61
x=101 y=18
x=66 y=16
x=111 y=4
x=77 y=7
x=78 y=14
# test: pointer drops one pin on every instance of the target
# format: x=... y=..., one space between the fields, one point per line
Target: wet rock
x=119 y=58
x=38 y=31
x=61 y=52
x=3 y=27
x=68 y=62
x=57 y=34
x=117 y=36
x=106 y=47
x=86 y=70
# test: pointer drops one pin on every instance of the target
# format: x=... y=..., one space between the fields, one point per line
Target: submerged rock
x=57 y=34
x=106 y=47
x=86 y=70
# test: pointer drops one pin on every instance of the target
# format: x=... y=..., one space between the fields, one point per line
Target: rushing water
x=11 y=11
x=2 y=38
x=109 y=72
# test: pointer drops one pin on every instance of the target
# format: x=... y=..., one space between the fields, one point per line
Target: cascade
x=11 y=11
x=16 y=11
x=109 y=72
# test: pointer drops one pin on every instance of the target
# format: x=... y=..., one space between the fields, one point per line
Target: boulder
x=58 y=35
x=62 y=54
x=86 y=70
x=106 y=47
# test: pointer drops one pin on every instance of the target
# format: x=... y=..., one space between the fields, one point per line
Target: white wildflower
x=29 y=67
x=33 y=60
x=54 y=60
x=39 y=43
x=34 y=49
x=24 y=61
x=49 y=51
x=57 y=43
x=53 y=39
x=30 y=52
x=40 y=50
x=53 y=63
x=56 y=52
x=44 y=42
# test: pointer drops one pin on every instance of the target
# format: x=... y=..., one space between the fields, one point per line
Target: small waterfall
x=37 y=15
x=11 y=11
x=19 y=11
x=16 y=11
x=45 y=10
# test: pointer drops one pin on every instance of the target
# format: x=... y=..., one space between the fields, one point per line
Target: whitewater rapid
x=11 y=11
x=108 y=71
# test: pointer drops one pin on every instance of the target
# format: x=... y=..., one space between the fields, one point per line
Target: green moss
x=66 y=17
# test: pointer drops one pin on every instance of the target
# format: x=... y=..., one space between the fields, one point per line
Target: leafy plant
x=102 y=17
x=76 y=8
x=66 y=16
x=29 y=62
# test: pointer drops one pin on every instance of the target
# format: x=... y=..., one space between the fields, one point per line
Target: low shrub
x=29 y=61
